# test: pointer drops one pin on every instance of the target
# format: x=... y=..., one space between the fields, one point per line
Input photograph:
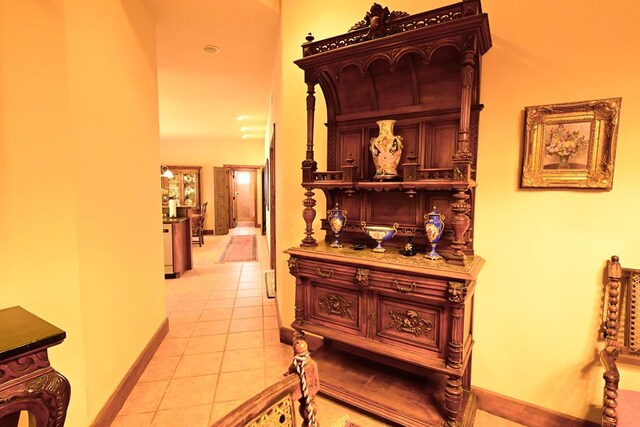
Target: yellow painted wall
x=539 y=295
x=78 y=174
x=210 y=154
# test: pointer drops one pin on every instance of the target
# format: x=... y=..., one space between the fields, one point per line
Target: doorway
x=243 y=196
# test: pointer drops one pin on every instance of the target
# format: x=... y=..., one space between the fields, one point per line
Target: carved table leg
x=453 y=400
x=28 y=383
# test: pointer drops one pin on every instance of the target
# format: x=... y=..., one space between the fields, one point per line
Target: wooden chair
x=621 y=408
x=274 y=406
x=197 y=225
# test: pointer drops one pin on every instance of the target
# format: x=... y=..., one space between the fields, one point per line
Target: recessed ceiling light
x=209 y=48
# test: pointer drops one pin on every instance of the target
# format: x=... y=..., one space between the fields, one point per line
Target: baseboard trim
x=525 y=413
x=207 y=232
x=112 y=407
x=313 y=342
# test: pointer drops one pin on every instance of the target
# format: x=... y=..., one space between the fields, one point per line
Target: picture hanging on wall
x=570 y=145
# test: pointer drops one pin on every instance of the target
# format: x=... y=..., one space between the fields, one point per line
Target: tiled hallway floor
x=222 y=347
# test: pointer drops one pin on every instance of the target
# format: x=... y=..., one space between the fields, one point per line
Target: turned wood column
x=309 y=165
x=460 y=222
x=27 y=380
x=463 y=150
x=453 y=394
x=299 y=303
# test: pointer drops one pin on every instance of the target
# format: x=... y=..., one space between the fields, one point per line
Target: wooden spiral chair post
x=610 y=353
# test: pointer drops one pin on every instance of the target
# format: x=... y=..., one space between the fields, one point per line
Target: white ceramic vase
x=386 y=149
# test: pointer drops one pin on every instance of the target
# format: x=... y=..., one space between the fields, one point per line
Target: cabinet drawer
x=407 y=284
x=411 y=324
x=335 y=307
x=327 y=272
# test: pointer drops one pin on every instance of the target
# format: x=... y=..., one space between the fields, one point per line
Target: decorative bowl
x=379 y=233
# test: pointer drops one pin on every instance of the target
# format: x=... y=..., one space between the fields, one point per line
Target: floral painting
x=566 y=146
x=570 y=145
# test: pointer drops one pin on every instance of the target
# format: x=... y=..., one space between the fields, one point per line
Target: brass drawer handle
x=404 y=290
x=324 y=275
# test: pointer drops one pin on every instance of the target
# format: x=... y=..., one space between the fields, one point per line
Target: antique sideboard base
x=390 y=393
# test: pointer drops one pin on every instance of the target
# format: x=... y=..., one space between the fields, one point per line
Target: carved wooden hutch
x=397 y=330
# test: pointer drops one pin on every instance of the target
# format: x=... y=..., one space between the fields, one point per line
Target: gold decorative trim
x=278 y=414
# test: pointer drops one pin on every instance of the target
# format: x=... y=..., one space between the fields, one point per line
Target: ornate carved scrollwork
x=457 y=291
x=409 y=322
x=362 y=277
x=336 y=305
x=23 y=366
x=292 y=262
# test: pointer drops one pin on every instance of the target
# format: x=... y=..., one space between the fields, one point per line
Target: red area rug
x=240 y=248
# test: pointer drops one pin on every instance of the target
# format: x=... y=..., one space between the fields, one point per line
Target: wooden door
x=221 y=200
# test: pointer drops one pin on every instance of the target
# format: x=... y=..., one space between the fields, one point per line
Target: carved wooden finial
x=309 y=38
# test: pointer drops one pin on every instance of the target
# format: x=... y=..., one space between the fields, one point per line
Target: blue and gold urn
x=337 y=218
x=434 y=225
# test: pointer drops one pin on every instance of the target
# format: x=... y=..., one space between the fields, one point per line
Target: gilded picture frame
x=570 y=145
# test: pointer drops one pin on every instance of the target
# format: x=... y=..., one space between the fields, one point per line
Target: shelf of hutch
x=385 y=315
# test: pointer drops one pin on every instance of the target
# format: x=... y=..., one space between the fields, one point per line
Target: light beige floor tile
x=160 y=368
x=171 y=347
x=222 y=294
x=269 y=310
x=270 y=322
x=211 y=328
x=220 y=303
x=245 y=325
x=190 y=305
x=191 y=416
x=183 y=392
x=248 y=302
x=184 y=316
x=205 y=344
x=133 y=420
x=244 y=340
x=243 y=360
x=145 y=397
x=191 y=365
x=200 y=293
x=250 y=285
x=216 y=314
x=247 y=312
x=246 y=293
x=271 y=337
x=181 y=329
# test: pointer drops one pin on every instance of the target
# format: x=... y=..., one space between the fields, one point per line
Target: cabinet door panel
x=411 y=324
x=336 y=308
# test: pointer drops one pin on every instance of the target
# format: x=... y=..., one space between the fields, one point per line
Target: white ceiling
x=200 y=94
